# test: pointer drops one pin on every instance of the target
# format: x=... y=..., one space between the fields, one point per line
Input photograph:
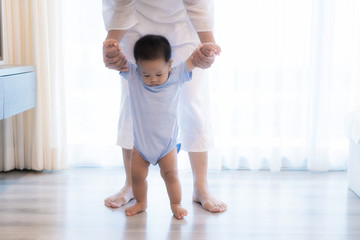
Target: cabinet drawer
x=1 y=99
x=19 y=93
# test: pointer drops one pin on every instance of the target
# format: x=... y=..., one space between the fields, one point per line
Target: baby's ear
x=170 y=64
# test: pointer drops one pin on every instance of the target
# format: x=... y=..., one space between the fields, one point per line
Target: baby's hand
x=209 y=49
x=111 y=48
x=204 y=55
x=113 y=57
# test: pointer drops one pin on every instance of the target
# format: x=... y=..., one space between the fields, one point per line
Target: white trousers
x=194 y=117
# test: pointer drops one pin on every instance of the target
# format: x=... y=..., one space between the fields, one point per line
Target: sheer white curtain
x=92 y=90
x=288 y=73
x=35 y=139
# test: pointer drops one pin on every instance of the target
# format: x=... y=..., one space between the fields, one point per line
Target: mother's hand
x=117 y=63
x=202 y=61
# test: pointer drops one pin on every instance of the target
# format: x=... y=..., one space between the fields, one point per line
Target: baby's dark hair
x=151 y=47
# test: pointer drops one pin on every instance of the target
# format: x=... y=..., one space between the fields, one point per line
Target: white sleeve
x=201 y=14
x=119 y=14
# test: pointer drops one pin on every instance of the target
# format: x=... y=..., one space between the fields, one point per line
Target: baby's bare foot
x=137 y=208
x=179 y=211
x=208 y=202
x=120 y=198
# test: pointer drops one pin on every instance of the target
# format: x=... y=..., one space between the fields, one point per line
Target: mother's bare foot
x=208 y=202
x=178 y=211
x=137 y=208
x=120 y=198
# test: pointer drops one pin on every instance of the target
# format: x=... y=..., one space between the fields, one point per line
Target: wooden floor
x=261 y=205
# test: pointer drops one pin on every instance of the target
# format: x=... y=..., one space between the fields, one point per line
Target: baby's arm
x=112 y=50
x=205 y=49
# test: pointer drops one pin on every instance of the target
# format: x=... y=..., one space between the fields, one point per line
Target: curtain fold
x=320 y=77
x=35 y=139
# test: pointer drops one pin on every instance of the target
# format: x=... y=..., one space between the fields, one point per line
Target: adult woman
x=183 y=23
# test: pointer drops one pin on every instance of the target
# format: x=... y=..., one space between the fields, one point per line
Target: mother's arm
x=118 y=15
x=201 y=15
x=199 y=59
x=116 y=62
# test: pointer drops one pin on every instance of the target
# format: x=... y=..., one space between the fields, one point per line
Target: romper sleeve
x=131 y=73
x=181 y=72
x=201 y=14
x=119 y=14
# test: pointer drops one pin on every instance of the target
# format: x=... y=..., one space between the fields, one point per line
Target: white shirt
x=124 y=14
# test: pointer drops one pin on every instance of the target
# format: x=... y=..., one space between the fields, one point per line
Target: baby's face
x=154 y=72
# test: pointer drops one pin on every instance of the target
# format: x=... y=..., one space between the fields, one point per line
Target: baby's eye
x=146 y=76
x=159 y=74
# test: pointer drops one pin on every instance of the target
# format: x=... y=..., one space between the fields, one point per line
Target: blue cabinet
x=17 y=89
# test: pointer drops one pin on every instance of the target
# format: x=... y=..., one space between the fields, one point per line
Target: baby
x=154 y=87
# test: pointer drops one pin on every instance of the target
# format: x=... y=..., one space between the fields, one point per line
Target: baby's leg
x=169 y=172
x=139 y=172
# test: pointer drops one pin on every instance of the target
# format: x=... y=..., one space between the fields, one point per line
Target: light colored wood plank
x=261 y=205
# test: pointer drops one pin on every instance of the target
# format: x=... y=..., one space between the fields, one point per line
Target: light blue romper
x=155 y=111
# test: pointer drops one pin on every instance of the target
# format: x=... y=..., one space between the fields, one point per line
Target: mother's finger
x=203 y=63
